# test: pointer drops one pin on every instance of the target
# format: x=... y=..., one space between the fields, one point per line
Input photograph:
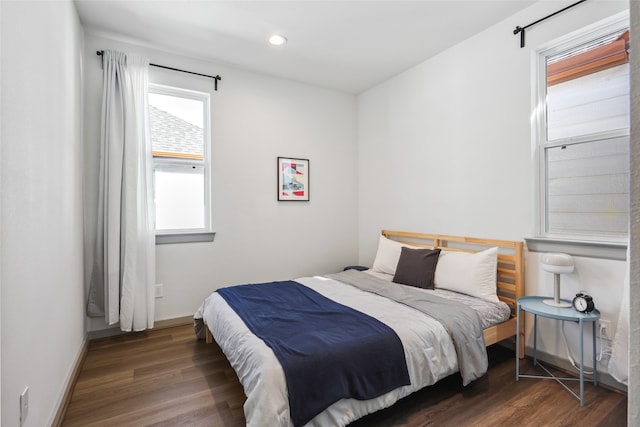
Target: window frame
x=591 y=245
x=185 y=235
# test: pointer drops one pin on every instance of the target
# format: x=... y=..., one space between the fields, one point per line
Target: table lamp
x=557 y=264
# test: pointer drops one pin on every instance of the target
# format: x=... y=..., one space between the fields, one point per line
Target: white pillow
x=468 y=273
x=387 y=256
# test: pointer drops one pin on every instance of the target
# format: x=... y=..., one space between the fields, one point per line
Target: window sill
x=603 y=250
x=166 y=239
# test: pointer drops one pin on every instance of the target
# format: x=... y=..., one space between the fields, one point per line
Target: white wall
x=255 y=119
x=633 y=412
x=1 y=218
x=445 y=147
x=43 y=326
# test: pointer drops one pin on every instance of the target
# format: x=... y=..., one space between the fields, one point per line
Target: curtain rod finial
x=517 y=30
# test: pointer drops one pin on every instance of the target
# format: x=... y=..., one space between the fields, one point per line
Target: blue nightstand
x=537 y=307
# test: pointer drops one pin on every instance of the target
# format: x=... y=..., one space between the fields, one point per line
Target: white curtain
x=123 y=277
x=619 y=363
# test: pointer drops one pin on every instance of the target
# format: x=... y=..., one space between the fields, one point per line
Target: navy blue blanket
x=328 y=351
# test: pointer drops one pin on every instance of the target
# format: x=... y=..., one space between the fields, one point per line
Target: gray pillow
x=416 y=267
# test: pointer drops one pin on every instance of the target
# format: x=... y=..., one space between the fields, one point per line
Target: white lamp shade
x=557 y=263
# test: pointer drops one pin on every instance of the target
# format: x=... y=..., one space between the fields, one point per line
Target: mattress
x=429 y=351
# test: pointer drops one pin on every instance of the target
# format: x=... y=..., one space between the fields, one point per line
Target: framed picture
x=293 y=179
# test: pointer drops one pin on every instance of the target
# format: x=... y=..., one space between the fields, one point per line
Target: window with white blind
x=179 y=128
x=583 y=136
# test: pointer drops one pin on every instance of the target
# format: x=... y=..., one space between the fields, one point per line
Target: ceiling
x=347 y=45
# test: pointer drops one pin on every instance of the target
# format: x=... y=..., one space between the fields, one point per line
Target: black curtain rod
x=521 y=30
x=215 y=78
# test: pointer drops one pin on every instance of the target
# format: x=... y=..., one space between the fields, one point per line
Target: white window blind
x=588 y=188
x=179 y=196
x=588 y=105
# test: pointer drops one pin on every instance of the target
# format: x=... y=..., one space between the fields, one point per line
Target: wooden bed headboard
x=510 y=272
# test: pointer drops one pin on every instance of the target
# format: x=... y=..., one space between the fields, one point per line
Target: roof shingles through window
x=172 y=135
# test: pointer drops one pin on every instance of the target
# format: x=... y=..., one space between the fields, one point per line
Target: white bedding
x=429 y=353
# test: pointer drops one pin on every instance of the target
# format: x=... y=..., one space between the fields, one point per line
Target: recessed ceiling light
x=277 y=40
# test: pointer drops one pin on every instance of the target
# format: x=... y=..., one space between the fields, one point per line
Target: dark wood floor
x=167 y=378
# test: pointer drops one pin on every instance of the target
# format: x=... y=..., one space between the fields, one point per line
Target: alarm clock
x=583 y=302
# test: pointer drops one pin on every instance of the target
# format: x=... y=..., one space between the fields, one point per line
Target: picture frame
x=293 y=179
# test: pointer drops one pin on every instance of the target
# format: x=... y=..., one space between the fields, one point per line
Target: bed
x=471 y=285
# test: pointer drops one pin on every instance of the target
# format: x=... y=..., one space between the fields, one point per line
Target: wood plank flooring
x=168 y=378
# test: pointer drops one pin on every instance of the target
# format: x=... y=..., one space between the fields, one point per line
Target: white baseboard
x=65 y=396
x=158 y=324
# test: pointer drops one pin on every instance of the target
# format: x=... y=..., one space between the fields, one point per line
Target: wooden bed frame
x=510 y=273
x=510 y=278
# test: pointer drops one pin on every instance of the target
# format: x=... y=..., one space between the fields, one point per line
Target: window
x=583 y=136
x=179 y=127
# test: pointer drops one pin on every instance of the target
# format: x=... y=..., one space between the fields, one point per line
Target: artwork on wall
x=293 y=179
